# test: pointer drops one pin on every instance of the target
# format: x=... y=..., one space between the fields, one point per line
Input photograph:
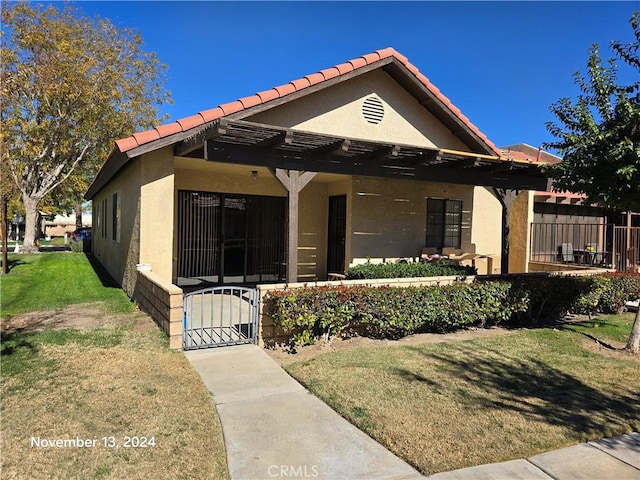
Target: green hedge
x=552 y=297
x=439 y=268
x=394 y=312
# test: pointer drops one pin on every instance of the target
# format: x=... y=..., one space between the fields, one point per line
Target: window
x=116 y=218
x=444 y=223
x=97 y=216
x=103 y=212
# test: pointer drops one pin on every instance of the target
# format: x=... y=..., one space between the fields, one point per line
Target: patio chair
x=565 y=253
x=431 y=254
x=592 y=254
x=334 y=277
x=463 y=257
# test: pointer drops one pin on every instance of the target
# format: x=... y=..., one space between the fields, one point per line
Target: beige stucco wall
x=337 y=111
x=145 y=188
x=225 y=178
x=157 y=212
x=486 y=232
x=312 y=232
x=520 y=232
x=388 y=217
x=120 y=257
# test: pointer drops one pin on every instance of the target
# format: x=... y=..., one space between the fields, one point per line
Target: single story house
x=363 y=160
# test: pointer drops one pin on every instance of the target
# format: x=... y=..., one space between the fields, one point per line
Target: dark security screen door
x=337 y=234
x=234 y=228
x=225 y=239
x=199 y=236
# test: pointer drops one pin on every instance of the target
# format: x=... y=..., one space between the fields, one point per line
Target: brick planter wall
x=163 y=302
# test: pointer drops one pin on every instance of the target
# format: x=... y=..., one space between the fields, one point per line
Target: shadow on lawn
x=105 y=278
x=13 y=263
x=13 y=342
x=532 y=388
x=575 y=327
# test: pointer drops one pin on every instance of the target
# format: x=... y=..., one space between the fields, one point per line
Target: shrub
x=389 y=312
x=552 y=297
x=439 y=268
x=394 y=312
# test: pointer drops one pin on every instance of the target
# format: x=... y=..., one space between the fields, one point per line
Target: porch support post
x=517 y=217
x=506 y=198
x=294 y=181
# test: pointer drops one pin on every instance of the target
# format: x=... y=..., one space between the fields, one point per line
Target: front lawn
x=105 y=384
x=103 y=374
x=452 y=405
x=50 y=281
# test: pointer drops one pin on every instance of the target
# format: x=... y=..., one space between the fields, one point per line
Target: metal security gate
x=219 y=316
x=626 y=249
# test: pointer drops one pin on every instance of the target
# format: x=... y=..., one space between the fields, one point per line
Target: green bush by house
x=393 y=312
x=439 y=268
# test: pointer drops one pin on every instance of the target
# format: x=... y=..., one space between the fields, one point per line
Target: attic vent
x=373 y=110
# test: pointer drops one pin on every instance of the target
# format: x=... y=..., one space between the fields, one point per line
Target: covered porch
x=258 y=203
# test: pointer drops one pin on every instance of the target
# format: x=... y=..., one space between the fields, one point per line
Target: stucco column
x=520 y=232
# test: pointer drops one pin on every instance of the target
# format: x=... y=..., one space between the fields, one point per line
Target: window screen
x=444 y=223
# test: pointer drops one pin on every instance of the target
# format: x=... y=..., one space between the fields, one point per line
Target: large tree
x=599 y=136
x=70 y=84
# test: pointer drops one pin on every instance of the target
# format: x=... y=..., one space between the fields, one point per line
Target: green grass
x=56 y=241
x=452 y=405
x=115 y=376
x=51 y=281
x=605 y=328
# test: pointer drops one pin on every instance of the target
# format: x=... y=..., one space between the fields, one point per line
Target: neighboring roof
x=525 y=152
x=281 y=91
x=555 y=196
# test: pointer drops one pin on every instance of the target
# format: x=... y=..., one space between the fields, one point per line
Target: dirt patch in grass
x=112 y=379
x=285 y=355
x=82 y=316
x=610 y=348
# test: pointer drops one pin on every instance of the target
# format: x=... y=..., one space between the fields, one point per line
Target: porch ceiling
x=197 y=164
x=249 y=143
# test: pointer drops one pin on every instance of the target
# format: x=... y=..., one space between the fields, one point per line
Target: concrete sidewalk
x=609 y=459
x=274 y=428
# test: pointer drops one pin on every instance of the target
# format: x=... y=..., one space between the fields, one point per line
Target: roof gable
x=393 y=62
x=371 y=106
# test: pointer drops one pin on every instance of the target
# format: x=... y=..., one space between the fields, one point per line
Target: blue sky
x=502 y=63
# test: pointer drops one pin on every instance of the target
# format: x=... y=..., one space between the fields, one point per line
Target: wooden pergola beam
x=518 y=178
x=209 y=132
x=293 y=181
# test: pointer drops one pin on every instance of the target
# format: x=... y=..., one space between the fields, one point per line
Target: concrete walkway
x=274 y=428
x=609 y=459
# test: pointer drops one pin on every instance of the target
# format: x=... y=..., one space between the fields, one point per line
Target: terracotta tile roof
x=203 y=117
x=525 y=152
x=556 y=194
